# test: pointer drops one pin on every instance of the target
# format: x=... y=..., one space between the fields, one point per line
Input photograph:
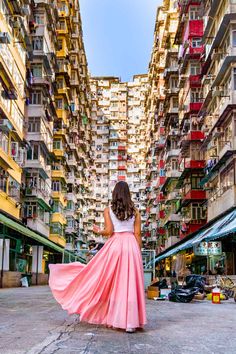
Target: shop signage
x=213 y=248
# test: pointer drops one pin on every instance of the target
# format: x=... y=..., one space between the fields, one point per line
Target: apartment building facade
x=118 y=144
x=191 y=98
x=46 y=168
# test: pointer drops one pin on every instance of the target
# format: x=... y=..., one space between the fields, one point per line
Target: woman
x=109 y=290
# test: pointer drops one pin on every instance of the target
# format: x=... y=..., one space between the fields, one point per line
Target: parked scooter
x=185 y=293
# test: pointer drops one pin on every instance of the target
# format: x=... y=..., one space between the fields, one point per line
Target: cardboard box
x=165 y=292
x=153 y=291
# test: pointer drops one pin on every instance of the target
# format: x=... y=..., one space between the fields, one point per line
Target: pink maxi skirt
x=109 y=290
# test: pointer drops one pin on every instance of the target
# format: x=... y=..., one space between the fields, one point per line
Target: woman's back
x=122 y=225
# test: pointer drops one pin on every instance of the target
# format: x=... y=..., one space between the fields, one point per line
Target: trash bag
x=24 y=282
x=176 y=296
x=195 y=281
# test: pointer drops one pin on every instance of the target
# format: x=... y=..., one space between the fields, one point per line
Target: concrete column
x=37 y=259
x=6 y=255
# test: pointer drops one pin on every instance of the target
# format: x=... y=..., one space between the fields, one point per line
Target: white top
x=122 y=226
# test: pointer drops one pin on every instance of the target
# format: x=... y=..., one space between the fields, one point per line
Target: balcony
x=196 y=51
x=171 y=240
x=39 y=164
x=161 y=181
x=191 y=228
x=195 y=195
x=195 y=80
x=58 y=239
x=173 y=196
x=195 y=107
x=43 y=137
x=171 y=153
x=39 y=226
x=173 y=173
x=194 y=164
x=58 y=218
x=159 y=144
x=121 y=147
x=194 y=28
x=39 y=193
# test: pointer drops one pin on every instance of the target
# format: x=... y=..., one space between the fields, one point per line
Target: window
x=59 y=44
x=70 y=222
x=195 y=95
x=197 y=212
x=4 y=142
x=3 y=179
x=37 y=43
x=36 y=97
x=56 y=228
x=174 y=83
x=56 y=186
x=227 y=178
x=39 y=19
x=234 y=38
x=30 y=210
x=33 y=152
x=37 y=70
x=234 y=78
x=195 y=69
x=59 y=103
x=61 y=25
x=57 y=144
x=175 y=103
x=174 y=165
x=194 y=13
x=196 y=182
x=60 y=83
x=196 y=42
x=34 y=125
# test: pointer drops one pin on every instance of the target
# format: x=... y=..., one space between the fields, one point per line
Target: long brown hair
x=121 y=204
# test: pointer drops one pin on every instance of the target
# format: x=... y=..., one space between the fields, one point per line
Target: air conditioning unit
x=5 y=38
x=5 y=125
x=25 y=10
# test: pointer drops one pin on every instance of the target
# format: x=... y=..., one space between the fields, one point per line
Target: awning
x=222 y=227
x=29 y=233
x=37 y=237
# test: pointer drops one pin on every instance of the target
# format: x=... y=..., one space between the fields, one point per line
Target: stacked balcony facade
x=190 y=120
x=13 y=50
x=192 y=160
x=45 y=120
x=218 y=110
x=118 y=143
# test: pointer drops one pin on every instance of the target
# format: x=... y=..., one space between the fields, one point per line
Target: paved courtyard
x=31 y=322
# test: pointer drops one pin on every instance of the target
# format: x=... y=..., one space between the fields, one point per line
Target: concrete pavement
x=31 y=322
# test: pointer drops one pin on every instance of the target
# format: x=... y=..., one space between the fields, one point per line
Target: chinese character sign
x=213 y=248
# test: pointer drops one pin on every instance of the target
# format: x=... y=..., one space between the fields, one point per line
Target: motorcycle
x=185 y=293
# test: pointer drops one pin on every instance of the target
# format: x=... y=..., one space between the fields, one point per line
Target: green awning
x=29 y=233
x=37 y=237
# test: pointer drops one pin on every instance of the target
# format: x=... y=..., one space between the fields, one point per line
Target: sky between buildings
x=118 y=35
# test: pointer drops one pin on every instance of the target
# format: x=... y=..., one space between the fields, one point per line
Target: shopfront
x=211 y=250
x=25 y=252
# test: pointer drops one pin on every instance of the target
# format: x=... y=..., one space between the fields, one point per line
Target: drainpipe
x=2 y=265
x=37 y=265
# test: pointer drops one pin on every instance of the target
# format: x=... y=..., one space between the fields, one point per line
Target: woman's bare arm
x=108 y=230
x=137 y=228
